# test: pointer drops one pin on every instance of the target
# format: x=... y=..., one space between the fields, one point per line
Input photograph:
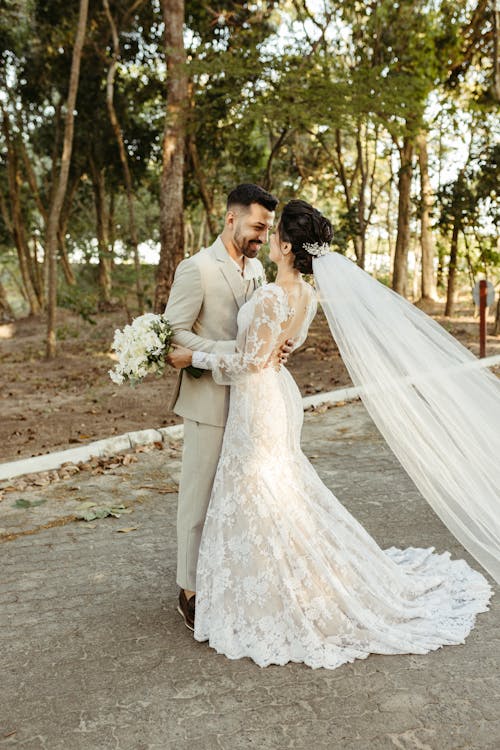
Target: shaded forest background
x=123 y=125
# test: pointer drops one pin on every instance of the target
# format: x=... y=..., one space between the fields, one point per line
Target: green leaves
x=22 y=503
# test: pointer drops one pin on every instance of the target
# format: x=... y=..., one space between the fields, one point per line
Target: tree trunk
x=14 y=221
x=275 y=148
x=452 y=270
x=205 y=196
x=110 y=82
x=38 y=268
x=400 y=268
x=51 y=242
x=188 y=238
x=111 y=227
x=340 y=166
x=202 y=230
x=496 y=327
x=33 y=183
x=360 y=240
x=6 y=314
x=470 y=265
x=388 y=218
x=66 y=266
x=172 y=177
x=61 y=235
x=496 y=50
x=428 y=287
x=417 y=256
x=104 y=269
x=440 y=268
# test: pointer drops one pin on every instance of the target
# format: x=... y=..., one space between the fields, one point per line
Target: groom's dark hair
x=248 y=193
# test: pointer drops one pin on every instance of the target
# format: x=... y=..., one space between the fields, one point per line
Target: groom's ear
x=229 y=219
x=234 y=212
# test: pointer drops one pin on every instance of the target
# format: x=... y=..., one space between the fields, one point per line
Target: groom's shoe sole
x=186 y=609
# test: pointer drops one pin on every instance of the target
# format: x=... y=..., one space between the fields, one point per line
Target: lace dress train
x=285 y=573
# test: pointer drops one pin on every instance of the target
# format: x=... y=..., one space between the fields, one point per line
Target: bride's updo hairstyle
x=301 y=224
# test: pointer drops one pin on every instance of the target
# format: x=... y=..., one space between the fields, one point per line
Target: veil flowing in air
x=437 y=409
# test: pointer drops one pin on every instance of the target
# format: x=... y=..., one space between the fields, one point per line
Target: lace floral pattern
x=256 y=339
x=285 y=573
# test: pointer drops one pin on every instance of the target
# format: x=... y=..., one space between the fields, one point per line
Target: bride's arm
x=254 y=353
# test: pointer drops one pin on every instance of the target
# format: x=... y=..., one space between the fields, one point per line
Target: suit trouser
x=200 y=456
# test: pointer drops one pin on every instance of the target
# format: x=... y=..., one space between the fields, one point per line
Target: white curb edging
x=113 y=445
x=105 y=447
x=329 y=398
x=120 y=443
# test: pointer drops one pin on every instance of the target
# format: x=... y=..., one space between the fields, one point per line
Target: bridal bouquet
x=141 y=348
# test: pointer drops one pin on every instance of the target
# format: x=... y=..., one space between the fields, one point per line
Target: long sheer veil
x=437 y=409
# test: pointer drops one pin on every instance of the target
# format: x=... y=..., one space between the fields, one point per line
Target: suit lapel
x=229 y=271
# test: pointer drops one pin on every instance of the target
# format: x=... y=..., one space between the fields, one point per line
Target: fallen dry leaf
x=129 y=459
x=161 y=490
x=321 y=408
x=126 y=529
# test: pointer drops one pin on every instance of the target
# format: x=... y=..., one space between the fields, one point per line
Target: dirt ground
x=52 y=405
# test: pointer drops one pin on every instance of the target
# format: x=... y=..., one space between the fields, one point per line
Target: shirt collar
x=249 y=269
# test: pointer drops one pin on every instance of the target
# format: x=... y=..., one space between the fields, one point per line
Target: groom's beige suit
x=207 y=292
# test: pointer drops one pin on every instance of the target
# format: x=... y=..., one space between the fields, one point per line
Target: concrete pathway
x=94 y=656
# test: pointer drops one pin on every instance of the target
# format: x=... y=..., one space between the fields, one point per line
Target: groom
x=208 y=290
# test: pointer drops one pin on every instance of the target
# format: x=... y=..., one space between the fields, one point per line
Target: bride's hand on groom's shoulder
x=179 y=357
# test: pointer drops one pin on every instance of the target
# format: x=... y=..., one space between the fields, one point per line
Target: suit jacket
x=202 y=308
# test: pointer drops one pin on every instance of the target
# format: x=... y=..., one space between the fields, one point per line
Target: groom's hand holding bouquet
x=142 y=348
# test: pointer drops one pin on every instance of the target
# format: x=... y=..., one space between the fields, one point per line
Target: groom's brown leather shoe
x=186 y=609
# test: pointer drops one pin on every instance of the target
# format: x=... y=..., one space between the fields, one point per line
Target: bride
x=285 y=573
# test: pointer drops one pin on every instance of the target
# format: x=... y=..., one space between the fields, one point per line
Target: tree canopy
x=384 y=114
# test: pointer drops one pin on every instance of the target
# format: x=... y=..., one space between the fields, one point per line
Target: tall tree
x=451 y=289
x=172 y=176
x=51 y=238
x=110 y=88
x=428 y=285
x=227 y=131
x=6 y=313
x=14 y=220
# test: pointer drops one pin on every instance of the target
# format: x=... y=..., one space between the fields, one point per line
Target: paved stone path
x=94 y=656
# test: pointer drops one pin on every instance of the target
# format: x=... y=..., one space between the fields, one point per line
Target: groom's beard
x=249 y=248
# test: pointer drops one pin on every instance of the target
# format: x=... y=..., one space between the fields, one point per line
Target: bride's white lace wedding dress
x=285 y=573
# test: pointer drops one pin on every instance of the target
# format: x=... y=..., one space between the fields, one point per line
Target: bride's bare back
x=300 y=297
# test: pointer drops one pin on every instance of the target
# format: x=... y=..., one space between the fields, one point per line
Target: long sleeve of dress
x=255 y=344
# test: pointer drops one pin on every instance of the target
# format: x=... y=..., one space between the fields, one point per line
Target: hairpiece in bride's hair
x=316 y=248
